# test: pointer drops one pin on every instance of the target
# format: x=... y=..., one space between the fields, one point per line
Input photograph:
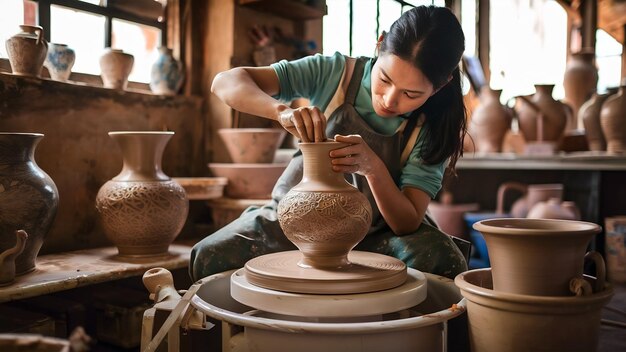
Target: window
x=353 y=28
x=90 y=26
x=609 y=61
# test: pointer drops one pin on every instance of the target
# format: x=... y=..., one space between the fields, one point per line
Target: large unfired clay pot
x=520 y=323
x=142 y=209
x=542 y=109
x=28 y=197
x=536 y=256
x=27 y=51
x=490 y=122
x=580 y=81
x=115 y=66
x=324 y=215
x=613 y=121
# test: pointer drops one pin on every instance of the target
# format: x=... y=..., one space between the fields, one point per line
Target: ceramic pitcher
x=27 y=51
x=541 y=118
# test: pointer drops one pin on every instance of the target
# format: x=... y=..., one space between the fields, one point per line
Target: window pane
x=440 y=3
x=14 y=13
x=88 y=42
x=95 y=2
x=609 y=61
x=528 y=46
x=336 y=27
x=140 y=41
x=468 y=22
x=390 y=10
x=364 y=28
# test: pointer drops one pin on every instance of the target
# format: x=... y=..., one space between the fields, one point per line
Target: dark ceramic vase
x=28 y=197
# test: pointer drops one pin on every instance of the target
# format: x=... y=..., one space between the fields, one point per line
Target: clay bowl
x=252 y=145
x=249 y=180
x=202 y=188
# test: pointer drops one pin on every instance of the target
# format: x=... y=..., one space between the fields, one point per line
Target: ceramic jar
x=531 y=195
x=115 y=66
x=167 y=74
x=27 y=51
x=553 y=208
x=324 y=215
x=613 y=121
x=28 y=197
x=142 y=210
x=541 y=118
x=490 y=122
x=589 y=114
x=580 y=80
x=59 y=61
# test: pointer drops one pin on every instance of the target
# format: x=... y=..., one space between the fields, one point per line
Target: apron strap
x=355 y=80
x=412 y=139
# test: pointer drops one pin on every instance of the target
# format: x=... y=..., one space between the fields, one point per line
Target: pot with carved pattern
x=324 y=215
x=142 y=209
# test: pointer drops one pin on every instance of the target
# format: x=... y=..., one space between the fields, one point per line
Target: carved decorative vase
x=59 y=61
x=537 y=256
x=553 y=114
x=613 y=121
x=115 y=66
x=28 y=197
x=27 y=51
x=580 y=80
x=167 y=74
x=142 y=209
x=324 y=215
x=490 y=122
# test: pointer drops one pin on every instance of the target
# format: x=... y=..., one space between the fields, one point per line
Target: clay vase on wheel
x=142 y=209
x=324 y=215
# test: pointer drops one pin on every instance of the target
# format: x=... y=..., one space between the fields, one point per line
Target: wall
x=77 y=152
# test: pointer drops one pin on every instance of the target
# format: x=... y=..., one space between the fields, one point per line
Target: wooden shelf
x=571 y=161
x=290 y=9
x=64 y=271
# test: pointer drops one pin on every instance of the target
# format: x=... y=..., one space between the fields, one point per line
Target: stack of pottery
x=142 y=209
x=613 y=121
x=59 y=61
x=27 y=51
x=167 y=73
x=490 y=122
x=535 y=296
x=115 y=66
x=252 y=174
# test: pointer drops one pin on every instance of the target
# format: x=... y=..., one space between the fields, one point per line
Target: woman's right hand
x=307 y=123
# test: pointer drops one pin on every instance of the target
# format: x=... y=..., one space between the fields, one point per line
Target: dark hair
x=431 y=38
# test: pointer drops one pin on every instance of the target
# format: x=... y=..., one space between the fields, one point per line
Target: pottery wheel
x=409 y=294
x=368 y=272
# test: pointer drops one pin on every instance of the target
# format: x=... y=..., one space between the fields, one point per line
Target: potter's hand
x=355 y=158
x=307 y=123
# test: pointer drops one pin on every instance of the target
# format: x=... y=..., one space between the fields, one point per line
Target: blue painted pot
x=167 y=74
x=59 y=61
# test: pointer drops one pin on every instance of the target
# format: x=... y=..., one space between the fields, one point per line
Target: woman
x=404 y=117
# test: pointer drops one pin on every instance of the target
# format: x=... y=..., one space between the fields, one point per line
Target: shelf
x=64 y=271
x=290 y=9
x=570 y=161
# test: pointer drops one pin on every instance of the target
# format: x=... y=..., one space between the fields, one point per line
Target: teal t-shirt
x=317 y=77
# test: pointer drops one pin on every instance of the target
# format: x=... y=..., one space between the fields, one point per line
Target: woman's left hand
x=356 y=158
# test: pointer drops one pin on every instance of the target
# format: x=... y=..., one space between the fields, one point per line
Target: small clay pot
x=115 y=66
x=59 y=61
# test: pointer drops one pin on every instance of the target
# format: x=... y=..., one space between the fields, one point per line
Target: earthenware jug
x=613 y=121
x=531 y=194
x=28 y=197
x=580 y=81
x=142 y=209
x=115 y=66
x=324 y=215
x=541 y=118
x=59 y=61
x=490 y=122
x=27 y=51
x=167 y=73
x=554 y=208
x=7 y=258
x=537 y=256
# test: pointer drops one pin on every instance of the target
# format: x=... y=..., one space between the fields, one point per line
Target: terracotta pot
x=541 y=118
x=142 y=209
x=615 y=244
x=115 y=66
x=7 y=258
x=449 y=217
x=509 y=322
x=490 y=122
x=248 y=181
x=613 y=121
x=59 y=61
x=580 y=82
x=27 y=51
x=531 y=195
x=252 y=145
x=324 y=215
x=589 y=114
x=167 y=73
x=536 y=256
x=553 y=208
x=28 y=197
